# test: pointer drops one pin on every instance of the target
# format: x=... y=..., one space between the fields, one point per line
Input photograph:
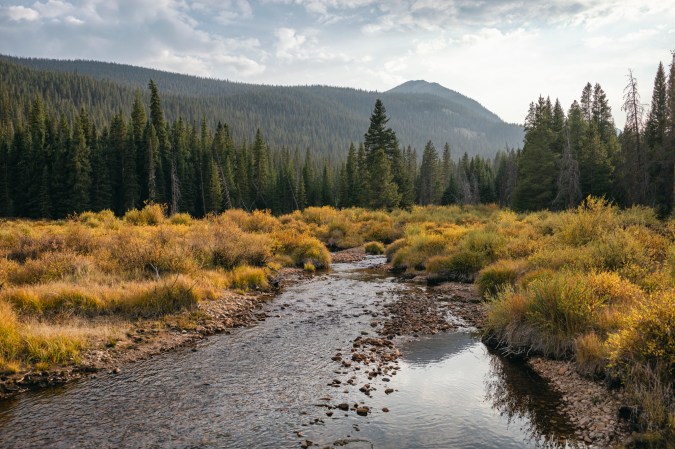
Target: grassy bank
x=75 y=284
x=595 y=284
x=71 y=285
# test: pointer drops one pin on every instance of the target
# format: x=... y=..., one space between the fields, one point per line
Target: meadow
x=595 y=284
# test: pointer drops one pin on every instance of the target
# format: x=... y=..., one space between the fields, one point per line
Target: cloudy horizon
x=502 y=53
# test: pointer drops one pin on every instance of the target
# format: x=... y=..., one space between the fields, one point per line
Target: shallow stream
x=268 y=386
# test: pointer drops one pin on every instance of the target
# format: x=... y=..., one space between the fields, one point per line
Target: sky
x=502 y=53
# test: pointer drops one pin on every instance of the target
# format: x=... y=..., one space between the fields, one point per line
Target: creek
x=269 y=386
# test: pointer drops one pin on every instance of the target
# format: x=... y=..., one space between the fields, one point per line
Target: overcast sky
x=503 y=53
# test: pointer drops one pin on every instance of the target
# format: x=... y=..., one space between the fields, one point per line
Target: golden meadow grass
x=594 y=284
x=96 y=267
x=144 y=265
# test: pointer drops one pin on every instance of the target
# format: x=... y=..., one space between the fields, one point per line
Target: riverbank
x=143 y=338
x=429 y=310
x=592 y=408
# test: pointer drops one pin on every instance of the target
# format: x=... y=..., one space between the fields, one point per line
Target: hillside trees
x=53 y=165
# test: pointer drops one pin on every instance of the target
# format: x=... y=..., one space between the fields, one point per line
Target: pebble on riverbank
x=591 y=407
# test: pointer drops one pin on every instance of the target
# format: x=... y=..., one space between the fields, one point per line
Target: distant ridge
x=323 y=118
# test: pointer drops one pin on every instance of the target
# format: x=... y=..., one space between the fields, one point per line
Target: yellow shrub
x=9 y=336
x=486 y=242
x=151 y=214
x=611 y=288
x=505 y=317
x=566 y=257
x=302 y=249
x=24 y=299
x=374 y=248
x=393 y=247
x=460 y=266
x=105 y=217
x=225 y=245
x=534 y=275
x=418 y=249
x=52 y=267
x=500 y=274
x=648 y=336
x=382 y=231
x=246 y=278
x=57 y=348
x=592 y=219
x=180 y=219
x=156 y=298
x=7 y=268
x=261 y=221
x=591 y=354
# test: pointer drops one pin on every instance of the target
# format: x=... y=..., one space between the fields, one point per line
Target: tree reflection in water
x=518 y=392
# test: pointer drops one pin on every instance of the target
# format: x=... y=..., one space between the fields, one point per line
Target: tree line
x=568 y=157
x=52 y=166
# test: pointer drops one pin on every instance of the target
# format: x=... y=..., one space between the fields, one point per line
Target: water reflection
x=436 y=350
x=520 y=394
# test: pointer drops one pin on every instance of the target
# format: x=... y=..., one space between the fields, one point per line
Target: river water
x=268 y=387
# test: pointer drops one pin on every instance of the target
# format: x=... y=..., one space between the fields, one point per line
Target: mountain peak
x=430 y=88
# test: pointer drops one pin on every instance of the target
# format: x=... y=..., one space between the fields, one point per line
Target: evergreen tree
x=429 y=184
x=363 y=194
x=151 y=163
x=537 y=174
x=80 y=167
x=326 y=188
x=595 y=165
x=569 y=183
x=446 y=166
x=352 y=179
x=586 y=103
x=388 y=196
x=506 y=174
x=669 y=146
x=101 y=184
x=118 y=147
x=6 y=209
x=260 y=171
x=222 y=153
x=659 y=166
x=379 y=136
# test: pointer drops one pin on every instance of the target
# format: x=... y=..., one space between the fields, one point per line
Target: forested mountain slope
x=323 y=118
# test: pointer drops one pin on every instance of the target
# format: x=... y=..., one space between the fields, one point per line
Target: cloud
x=18 y=13
x=54 y=9
x=289 y=44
